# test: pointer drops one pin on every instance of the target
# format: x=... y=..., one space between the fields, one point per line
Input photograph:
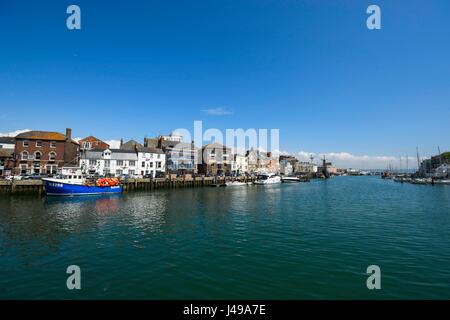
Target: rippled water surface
x=289 y=241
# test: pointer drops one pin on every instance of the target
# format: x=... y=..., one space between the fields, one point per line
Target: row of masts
x=419 y=161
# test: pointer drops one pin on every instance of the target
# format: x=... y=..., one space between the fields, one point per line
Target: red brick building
x=43 y=152
x=92 y=142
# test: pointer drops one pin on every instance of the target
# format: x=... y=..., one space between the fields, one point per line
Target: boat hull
x=274 y=180
x=54 y=188
x=290 y=180
x=235 y=184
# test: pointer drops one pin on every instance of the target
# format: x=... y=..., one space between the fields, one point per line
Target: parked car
x=12 y=178
x=148 y=176
x=33 y=176
x=160 y=174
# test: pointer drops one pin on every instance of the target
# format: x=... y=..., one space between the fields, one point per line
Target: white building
x=7 y=142
x=172 y=137
x=239 y=165
x=114 y=162
x=286 y=167
x=305 y=167
x=443 y=171
x=151 y=161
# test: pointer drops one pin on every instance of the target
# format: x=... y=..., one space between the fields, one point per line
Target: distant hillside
x=446 y=156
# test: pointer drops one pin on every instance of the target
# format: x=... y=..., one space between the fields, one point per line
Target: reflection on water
x=278 y=241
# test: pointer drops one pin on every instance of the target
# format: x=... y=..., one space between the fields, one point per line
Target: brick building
x=92 y=142
x=43 y=152
x=215 y=159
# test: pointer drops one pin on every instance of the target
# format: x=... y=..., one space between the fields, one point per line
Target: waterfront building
x=443 y=171
x=6 y=161
x=291 y=159
x=110 y=162
x=92 y=142
x=305 y=168
x=7 y=142
x=286 y=167
x=239 y=165
x=267 y=163
x=180 y=157
x=215 y=159
x=151 y=161
x=252 y=160
x=44 y=152
x=429 y=167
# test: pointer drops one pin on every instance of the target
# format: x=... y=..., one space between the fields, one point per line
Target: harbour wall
x=37 y=187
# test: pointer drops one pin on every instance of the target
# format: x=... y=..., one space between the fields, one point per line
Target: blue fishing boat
x=73 y=183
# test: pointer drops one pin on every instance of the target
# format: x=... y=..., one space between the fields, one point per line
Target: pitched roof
x=9 y=140
x=6 y=153
x=130 y=145
x=150 y=150
x=122 y=151
x=43 y=135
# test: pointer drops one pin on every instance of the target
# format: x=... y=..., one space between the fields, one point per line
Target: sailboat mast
x=418 y=159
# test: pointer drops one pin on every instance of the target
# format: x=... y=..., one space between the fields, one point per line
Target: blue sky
x=310 y=68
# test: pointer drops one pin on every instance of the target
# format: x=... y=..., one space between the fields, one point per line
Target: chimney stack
x=68 y=134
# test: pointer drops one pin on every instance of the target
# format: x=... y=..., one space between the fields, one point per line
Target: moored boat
x=268 y=178
x=291 y=179
x=235 y=183
x=73 y=183
x=442 y=181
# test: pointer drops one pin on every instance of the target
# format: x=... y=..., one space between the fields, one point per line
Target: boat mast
x=418 y=159
x=407 y=167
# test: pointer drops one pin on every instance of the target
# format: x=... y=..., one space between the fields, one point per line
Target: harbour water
x=287 y=241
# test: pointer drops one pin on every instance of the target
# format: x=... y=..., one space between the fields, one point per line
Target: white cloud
x=13 y=133
x=349 y=160
x=217 y=112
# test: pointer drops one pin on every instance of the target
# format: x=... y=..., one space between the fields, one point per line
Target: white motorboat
x=290 y=179
x=268 y=178
x=421 y=181
x=235 y=183
x=442 y=181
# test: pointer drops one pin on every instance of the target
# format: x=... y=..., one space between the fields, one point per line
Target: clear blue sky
x=310 y=68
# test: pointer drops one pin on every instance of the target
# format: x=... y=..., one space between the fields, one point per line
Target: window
x=51 y=169
x=87 y=145
x=119 y=162
x=38 y=144
x=143 y=164
x=92 y=162
x=159 y=156
x=107 y=163
x=52 y=144
x=132 y=163
x=131 y=172
x=151 y=164
x=119 y=172
x=25 y=143
x=23 y=169
x=52 y=156
x=37 y=155
x=24 y=155
x=158 y=165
